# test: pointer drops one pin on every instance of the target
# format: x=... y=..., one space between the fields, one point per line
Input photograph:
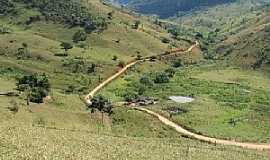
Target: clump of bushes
x=35 y=86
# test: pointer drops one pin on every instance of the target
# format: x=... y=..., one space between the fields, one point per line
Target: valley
x=90 y=80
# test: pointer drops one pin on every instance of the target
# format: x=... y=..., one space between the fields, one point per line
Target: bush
x=80 y=35
x=146 y=80
x=161 y=77
x=23 y=52
x=170 y=72
x=177 y=63
x=121 y=64
x=114 y=58
x=14 y=106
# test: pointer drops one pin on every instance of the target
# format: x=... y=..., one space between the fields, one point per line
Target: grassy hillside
x=237 y=32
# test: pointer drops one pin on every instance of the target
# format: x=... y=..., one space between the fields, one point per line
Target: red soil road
x=166 y=121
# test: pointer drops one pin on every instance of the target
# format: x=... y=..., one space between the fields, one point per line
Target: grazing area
x=231 y=107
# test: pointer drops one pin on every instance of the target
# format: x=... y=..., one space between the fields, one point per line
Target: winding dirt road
x=185 y=132
x=168 y=122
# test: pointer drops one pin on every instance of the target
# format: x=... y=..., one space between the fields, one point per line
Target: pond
x=181 y=99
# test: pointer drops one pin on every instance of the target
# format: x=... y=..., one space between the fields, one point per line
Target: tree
x=35 y=86
x=101 y=104
x=80 y=35
x=66 y=46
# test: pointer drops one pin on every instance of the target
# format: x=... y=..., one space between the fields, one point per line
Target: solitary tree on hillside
x=101 y=104
x=66 y=46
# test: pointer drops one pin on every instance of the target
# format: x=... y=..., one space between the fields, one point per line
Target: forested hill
x=168 y=8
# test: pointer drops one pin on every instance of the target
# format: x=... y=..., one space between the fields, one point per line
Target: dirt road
x=185 y=132
x=122 y=71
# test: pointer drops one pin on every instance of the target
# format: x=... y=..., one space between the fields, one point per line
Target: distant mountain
x=168 y=8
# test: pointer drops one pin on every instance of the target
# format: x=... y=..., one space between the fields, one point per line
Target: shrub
x=177 y=63
x=170 y=72
x=114 y=58
x=23 y=52
x=14 y=106
x=146 y=80
x=80 y=35
x=161 y=77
